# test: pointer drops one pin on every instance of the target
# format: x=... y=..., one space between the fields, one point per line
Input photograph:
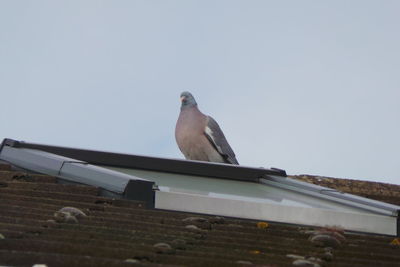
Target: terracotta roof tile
x=115 y=231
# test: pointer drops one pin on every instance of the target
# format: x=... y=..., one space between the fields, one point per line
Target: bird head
x=187 y=100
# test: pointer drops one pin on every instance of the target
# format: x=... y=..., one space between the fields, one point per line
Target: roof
x=389 y=193
x=204 y=187
x=119 y=232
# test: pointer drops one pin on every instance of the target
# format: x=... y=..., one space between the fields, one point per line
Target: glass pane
x=230 y=189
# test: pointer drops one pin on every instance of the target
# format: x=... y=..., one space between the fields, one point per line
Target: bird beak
x=182 y=98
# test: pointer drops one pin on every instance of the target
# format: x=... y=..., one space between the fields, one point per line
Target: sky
x=312 y=87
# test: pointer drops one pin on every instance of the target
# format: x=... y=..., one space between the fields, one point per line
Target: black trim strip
x=9 y=142
x=142 y=191
x=189 y=167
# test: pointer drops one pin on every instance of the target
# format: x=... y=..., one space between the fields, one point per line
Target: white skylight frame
x=319 y=209
x=351 y=221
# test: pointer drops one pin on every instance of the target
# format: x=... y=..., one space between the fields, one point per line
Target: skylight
x=207 y=188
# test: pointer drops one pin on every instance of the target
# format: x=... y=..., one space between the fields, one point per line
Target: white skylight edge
x=358 y=222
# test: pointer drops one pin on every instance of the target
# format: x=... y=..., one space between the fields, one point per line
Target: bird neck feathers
x=189 y=106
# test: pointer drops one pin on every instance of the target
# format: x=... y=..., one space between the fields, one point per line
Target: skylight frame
x=67 y=170
x=350 y=221
x=190 y=167
x=83 y=161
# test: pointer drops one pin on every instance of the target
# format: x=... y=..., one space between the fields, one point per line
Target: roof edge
x=191 y=167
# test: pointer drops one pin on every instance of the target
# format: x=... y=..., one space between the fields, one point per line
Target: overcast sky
x=312 y=87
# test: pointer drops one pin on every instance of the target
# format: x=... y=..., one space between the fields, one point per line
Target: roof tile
x=389 y=193
x=118 y=232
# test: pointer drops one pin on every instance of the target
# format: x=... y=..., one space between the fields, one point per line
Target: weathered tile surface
x=124 y=233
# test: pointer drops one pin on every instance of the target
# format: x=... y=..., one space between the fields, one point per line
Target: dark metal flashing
x=398 y=224
x=226 y=171
x=141 y=190
x=8 y=142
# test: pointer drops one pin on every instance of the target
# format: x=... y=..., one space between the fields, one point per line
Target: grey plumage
x=199 y=137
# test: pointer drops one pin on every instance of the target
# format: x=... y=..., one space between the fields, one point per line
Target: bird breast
x=189 y=134
x=190 y=127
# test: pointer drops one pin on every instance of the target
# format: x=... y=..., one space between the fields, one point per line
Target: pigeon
x=199 y=136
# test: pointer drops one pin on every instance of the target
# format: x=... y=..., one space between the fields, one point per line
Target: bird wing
x=217 y=138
